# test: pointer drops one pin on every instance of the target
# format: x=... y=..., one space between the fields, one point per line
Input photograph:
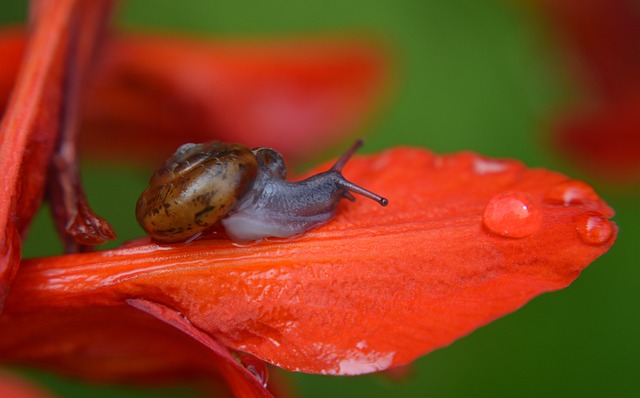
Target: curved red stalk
x=31 y=127
x=78 y=226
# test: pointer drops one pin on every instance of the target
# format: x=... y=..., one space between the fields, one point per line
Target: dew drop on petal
x=512 y=215
x=571 y=192
x=593 y=228
x=256 y=367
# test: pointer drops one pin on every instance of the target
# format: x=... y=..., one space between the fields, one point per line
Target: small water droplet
x=571 y=192
x=593 y=228
x=256 y=367
x=513 y=215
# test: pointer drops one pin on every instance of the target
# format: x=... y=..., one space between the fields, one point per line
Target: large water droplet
x=513 y=215
x=593 y=228
x=256 y=367
x=571 y=192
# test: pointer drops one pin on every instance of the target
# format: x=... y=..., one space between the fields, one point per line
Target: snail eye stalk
x=348 y=185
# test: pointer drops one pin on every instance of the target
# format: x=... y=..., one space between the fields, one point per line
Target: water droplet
x=571 y=192
x=256 y=367
x=513 y=215
x=593 y=228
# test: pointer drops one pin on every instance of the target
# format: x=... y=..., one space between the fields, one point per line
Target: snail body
x=244 y=189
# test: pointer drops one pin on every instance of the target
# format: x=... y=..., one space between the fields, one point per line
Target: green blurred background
x=472 y=75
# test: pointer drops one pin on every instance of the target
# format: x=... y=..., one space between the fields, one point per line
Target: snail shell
x=194 y=189
x=244 y=189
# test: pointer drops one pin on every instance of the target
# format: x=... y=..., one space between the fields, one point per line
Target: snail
x=244 y=189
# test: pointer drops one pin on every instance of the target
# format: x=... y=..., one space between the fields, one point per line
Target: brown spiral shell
x=194 y=189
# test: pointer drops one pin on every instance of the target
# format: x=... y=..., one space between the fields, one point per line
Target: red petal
x=463 y=241
x=155 y=93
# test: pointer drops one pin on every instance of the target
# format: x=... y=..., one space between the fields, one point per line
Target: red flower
x=464 y=240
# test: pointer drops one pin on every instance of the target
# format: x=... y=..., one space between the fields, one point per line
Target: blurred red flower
x=601 y=39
